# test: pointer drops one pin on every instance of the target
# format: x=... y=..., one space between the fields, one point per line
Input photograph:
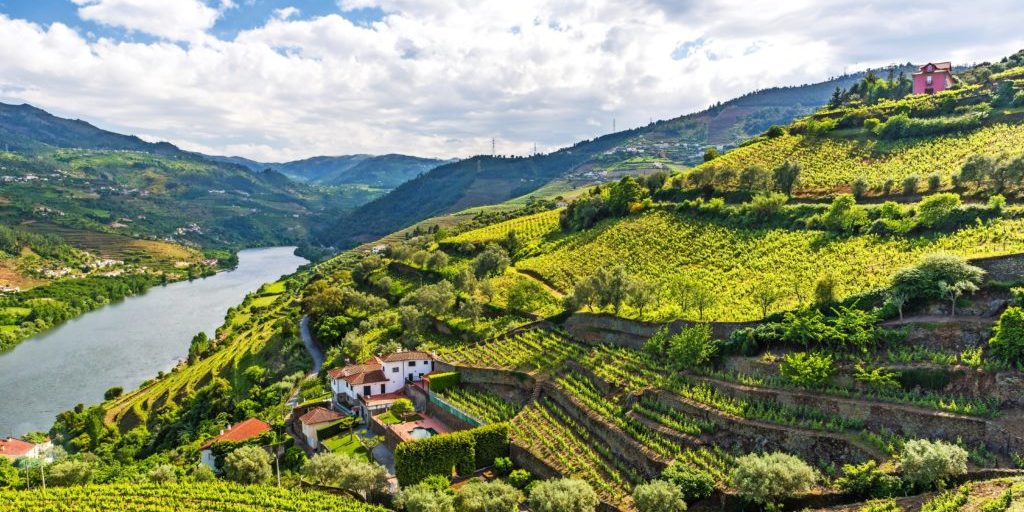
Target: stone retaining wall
x=603 y=328
x=620 y=443
x=736 y=434
x=489 y=376
x=1002 y=268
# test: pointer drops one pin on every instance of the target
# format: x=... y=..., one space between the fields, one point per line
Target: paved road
x=311 y=346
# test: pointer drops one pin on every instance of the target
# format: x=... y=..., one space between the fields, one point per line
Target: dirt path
x=531 y=275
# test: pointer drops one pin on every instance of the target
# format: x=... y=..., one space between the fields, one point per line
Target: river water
x=123 y=344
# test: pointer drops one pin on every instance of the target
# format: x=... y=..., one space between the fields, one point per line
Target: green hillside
x=662 y=145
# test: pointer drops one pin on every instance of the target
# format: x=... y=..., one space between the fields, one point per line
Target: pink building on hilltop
x=933 y=77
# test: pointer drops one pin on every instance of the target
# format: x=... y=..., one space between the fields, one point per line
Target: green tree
x=766 y=295
x=423 y=497
x=436 y=299
x=934 y=209
x=9 y=476
x=493 y=260
x=753 y=178
x=494 y=496
x=347 y=472
x=953 y=291
x=976 y=169
x=711 y=154
x=624 y=194
x=69 y=472
x=691 y=347
x=927 y=463
x=563 y=495
x=786 y=177
x=769 y=478
x=526 y=295
x=248 y=465
x=163 y=474
x=401 y=407
x=658 y=496
x=1007 y=340
x=921 y=280
x=437 y=260
x=910 y=184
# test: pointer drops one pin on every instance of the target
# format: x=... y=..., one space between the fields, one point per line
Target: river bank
x=125 y=343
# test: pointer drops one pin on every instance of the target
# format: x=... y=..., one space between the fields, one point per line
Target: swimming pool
x=422 y=433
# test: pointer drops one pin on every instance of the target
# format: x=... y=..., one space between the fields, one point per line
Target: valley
x=803 y=299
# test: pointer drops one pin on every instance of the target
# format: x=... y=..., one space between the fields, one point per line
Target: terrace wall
x=1002 y=268
x=738 y=434
x=597 y=328
x=489 y=376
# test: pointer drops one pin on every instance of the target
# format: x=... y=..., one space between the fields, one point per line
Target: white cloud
x=171 y=19
x=286 y=12
x=442 y=78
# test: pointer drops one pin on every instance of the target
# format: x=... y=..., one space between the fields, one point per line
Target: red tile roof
x=352 y=370
x=383 y=398
x=319 y=415
x=939 y=67
x=14 y=448
x=407 y=355
x=245 y=430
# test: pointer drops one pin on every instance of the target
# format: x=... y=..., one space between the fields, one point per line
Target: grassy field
x=666 y=249
x=120 y=247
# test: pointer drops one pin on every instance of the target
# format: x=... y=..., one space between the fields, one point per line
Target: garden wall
x=1002 y=268
x=603 y=328
x=488 y=376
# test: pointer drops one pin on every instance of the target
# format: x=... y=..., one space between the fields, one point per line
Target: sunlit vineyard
x=194 y=496
x=484 y=406
x=549 y=434
x=669 y=249
x=528 y=228
x=831 y=162
x=535 y=349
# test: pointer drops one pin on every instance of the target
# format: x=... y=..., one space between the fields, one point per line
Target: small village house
x=238 y=432
x=379 y=380
x=314 y=420
x=933 y=77
x=15 y=449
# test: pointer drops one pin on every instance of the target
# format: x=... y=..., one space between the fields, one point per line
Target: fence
x=454 y=411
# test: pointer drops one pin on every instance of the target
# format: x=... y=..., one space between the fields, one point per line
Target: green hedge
x=435 y=455
x=490 y=442
x=464 y=451
x=333 y=429
x=440 y=382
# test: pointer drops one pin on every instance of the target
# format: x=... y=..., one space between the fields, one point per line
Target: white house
x=315 y=419
x=242 y=431
x=379 y=375
x=14 y=449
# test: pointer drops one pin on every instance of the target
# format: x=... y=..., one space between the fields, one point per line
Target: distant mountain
x=489 y=180
x=27 y=128
x=384 y=171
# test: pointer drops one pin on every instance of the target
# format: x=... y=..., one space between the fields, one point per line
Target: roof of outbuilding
x=407 y=355
x=319 y=415
x=242 y=431
x=14 y=448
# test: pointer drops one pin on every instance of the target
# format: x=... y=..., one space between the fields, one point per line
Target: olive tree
x=248 y=465
x=347 y=472
x=769 y=478
x=658 y=496
x=927 y=463
x=563 y=495
x=424 y=497
x=495 y=496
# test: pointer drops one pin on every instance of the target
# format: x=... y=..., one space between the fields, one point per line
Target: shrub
x=910 y=185
x=765 y=205
x=495 y=496
x=807 y=369
x=113 y=393
x=658 y=496
x=424 y=498
x=1007 y=340
x=691 y=347
x=163 y=474
x=347 y=472
x=775 y=131
x=10 y=478
x=887 y=186
x=860 y=187
x=503 y=465
x=926 y=463
x=248 y=465
x=203 y=473
x=769 y=478
x=934 y=183
x=996 y=202
x=867 y=481
x=871 y=124
x=563 y=495
x=934 y=209
x=519 y=478
x=694 y=483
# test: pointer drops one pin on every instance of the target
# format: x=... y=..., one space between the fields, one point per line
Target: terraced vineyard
x=484 y=406
x=829 y=163
x=631 y=370
x=529 y=228
x=190 y=497
x=535 y=349
x=669 y=249
x=549 y=434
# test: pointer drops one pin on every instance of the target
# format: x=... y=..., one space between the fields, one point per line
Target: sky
x=277 y=80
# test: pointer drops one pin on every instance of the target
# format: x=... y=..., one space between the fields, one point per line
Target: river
x=125 y=343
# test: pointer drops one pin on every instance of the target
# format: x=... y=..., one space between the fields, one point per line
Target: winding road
x=311 y=346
